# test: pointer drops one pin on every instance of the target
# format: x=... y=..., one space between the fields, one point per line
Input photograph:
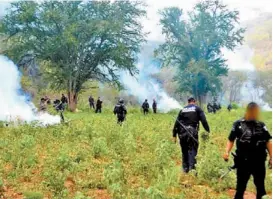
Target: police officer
x=210 y=108
x=229 y=107
x=186 y=127
x=121 y=111
x=252 y=141
x=214 y=107
x=64 y=99
x=91 y=102
x=98 y=106
x=145 y=107
x=59 y=107
x=154 y=106
x=43 y=105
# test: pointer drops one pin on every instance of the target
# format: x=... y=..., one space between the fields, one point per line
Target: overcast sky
x=249 y=9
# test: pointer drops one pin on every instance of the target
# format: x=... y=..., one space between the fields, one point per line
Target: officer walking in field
x=253 y=141
x=210 y=108
x=98 y=106
x=64 y=101
x=154 y=106
x=59 y=107
x=91 y=102
x=186 y=127
x=120 y=111
x=229 y=107
x=145 y=107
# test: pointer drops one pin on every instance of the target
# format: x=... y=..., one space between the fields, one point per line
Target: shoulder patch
x=189 y=109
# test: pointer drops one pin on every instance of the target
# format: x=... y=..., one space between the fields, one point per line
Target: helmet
x=121 y=101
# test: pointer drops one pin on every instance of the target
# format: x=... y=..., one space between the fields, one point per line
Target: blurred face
x=252 y=113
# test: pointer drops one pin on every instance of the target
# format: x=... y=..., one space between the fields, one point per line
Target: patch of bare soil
x=8 y=193
x=102 y=194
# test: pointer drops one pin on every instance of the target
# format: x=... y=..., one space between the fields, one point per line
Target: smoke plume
x=15 y=105
x=240 y=60
x=143 y=86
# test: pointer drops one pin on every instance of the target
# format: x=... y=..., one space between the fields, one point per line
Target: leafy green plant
x=235 y=106
x=33 y=195
x=99 y=147
x=137 y=160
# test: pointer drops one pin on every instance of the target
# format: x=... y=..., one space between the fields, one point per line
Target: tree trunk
x=72 y=101
x=201 y=100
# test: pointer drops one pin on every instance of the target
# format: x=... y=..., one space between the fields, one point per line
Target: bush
x=235 y=106
x=33 y=195
x=99 y=147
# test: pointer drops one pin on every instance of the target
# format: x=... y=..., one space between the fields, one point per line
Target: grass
x=92 y=157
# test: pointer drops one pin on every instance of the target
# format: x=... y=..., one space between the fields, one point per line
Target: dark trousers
x=62 y=116
x=98 y=110
x=154 y=109
x=244 y=170
x=145 y=111
x=189 y=152
x=120 y=119
x=92 y=105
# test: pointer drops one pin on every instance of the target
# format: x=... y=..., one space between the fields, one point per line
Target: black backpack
x=119 y=109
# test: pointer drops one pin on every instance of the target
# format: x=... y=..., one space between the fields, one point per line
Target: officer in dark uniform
x=214 y=107
x=121 y=111
x=91 y=102
x=64 y=99
x=98 y=106
x=59 y=107
x=229 y=107
x=210 y=108
x=154 y=105
x=253 y=141
x=145 y=107
x=186 y=127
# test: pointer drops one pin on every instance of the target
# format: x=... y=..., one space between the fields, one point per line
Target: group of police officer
x=59 y=105
x=253 y=140
x=98 y=107
x=120 y=109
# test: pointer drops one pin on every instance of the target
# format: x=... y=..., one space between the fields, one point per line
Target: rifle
x=188 y=131
x=230 y=168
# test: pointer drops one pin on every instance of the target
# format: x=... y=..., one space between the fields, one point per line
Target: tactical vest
x=251 y=143
x=120 y=110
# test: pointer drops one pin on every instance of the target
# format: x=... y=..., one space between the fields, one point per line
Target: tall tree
x=78 y=40
x=194 y=45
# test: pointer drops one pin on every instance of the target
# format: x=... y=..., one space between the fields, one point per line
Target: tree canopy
x=77 y=40
x=194 y=44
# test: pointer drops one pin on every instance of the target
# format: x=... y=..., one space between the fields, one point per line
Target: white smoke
x=240 y=60
x=13 y=105
x=143 y=86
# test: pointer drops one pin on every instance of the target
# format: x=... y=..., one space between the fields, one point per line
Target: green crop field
x=92 y=157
